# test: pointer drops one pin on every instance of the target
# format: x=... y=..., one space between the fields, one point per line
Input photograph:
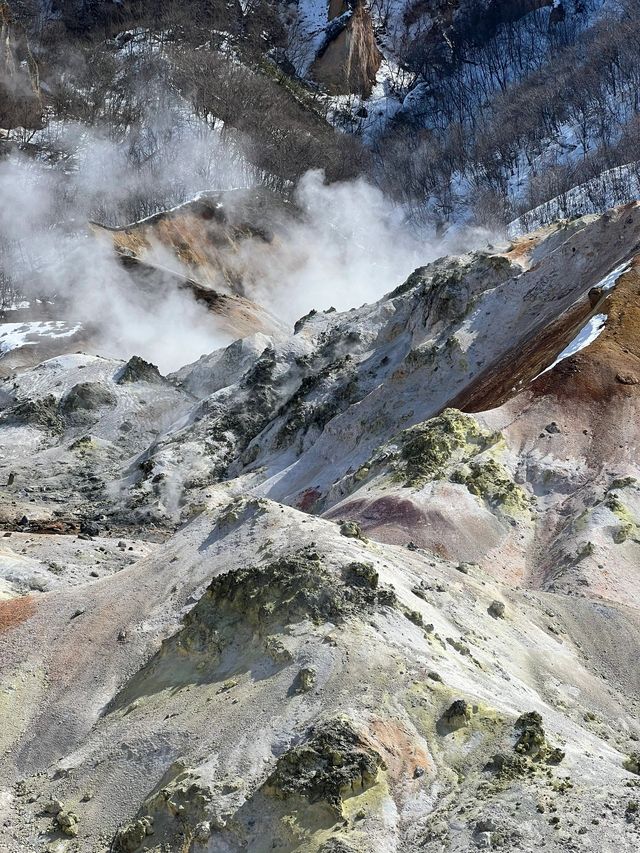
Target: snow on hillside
x=587 y=335
x=614 y=187
x=308 y=33
x=15 y=335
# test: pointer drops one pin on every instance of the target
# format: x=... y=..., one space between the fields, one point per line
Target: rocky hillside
x=368 y=584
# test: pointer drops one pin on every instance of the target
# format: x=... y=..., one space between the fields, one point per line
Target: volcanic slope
x=382 y=592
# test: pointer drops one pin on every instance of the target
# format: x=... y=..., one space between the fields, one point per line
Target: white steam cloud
x=351 y=246
x=346 y=245
x=47 y=250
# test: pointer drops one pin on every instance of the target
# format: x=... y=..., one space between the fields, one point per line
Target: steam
x=346 y=245
x=351 y=247
x=47 y=251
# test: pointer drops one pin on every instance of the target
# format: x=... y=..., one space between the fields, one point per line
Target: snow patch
x=15 y=335
x=312 y=19
x=585 y=336
x=610 y=281
x=202 y=195
x=17 y=306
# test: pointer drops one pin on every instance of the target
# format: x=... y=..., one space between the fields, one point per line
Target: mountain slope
x=382 y=593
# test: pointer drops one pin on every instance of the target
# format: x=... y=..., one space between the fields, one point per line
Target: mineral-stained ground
x=367 y=586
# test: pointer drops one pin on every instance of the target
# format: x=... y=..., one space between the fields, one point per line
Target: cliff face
x=349 y=59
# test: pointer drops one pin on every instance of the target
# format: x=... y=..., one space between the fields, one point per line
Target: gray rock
x=496 y=609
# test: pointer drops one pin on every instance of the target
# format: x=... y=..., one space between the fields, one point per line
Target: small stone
x=415 y=616
x=90 y=528
x=627 y=378
x=352 y=530
x=277 y=650
x=305 y=680
x=418 y=772
x=68 y=822
x=458 y=714
x=138 y=370
x=53 y=807
x=496 y=609
x=333 y=759
x=632 y=763
x=361 y=574
x=132 y=835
